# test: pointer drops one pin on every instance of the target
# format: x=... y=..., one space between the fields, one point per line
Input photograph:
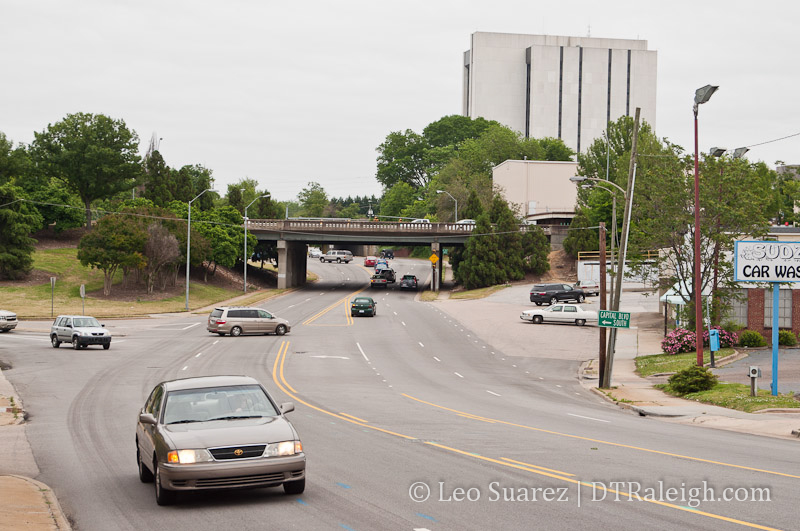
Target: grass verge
x=737 y=396
x=478 y=293
x=427 y=296
x=661 y=363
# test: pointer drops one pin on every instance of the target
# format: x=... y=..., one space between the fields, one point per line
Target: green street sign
x=611 y=319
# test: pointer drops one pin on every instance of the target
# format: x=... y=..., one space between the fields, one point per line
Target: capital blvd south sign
x=773 y=262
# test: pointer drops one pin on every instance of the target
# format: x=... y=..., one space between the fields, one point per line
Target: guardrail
x=368 y=226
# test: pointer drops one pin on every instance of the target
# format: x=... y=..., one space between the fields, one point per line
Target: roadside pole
x=602 y=346
x=52 y=294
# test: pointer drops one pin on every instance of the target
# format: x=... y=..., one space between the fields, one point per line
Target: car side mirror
x=147 y=418
x=103 y=325
x=287 y=407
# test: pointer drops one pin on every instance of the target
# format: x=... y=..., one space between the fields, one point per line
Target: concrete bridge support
x=292 y=262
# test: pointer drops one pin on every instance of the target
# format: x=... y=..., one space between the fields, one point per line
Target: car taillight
x=220 y=321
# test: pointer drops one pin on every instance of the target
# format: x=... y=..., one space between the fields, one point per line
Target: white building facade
x=560 y=87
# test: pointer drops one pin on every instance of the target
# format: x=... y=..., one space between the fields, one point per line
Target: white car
x=314 y=252
x=560 y=313
x=8 y=320
x=590 y=287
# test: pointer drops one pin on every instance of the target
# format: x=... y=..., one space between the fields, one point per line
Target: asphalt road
x=409 y=421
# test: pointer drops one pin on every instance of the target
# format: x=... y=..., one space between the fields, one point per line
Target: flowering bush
x=726 y=339
x=679 y=340
x=682 y=340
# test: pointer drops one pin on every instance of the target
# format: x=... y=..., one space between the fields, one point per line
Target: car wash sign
x=767 y=261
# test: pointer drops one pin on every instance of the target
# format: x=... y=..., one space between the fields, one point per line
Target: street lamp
x=188 y=242
x=701 y=95
x=454 y=199
x=245 y=237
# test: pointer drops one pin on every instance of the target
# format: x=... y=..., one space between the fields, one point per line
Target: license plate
x=360 y=311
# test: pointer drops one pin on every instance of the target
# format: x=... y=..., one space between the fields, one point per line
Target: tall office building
x=561 y=87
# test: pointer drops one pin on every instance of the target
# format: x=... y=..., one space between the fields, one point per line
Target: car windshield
x=409 y=277
x=81 y=322
x=217 y=403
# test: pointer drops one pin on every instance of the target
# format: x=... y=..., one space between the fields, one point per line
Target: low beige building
x=540 y=190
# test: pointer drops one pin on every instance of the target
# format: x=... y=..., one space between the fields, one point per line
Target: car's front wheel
x=580 y=322
x=54 y=341
x=338 y=260
x=537 y=319
x=295 y=487
x=145 y=476
x=280 y=330
x=107 y=346
x=322 y=259
x=236 y=331
x=75 y=343
x=163 y=496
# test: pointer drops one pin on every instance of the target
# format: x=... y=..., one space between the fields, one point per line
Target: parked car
x=217 y=432
x=465 y=222
x=590 y=287
x=408 y=282
x=369 y=261
x=79 y=330
x=387 y=253
x=314 y=252
x=553 y=293
x=560 y=313
x=363 y=306
x=238 y=320
x=8 y=320
x=338 y=256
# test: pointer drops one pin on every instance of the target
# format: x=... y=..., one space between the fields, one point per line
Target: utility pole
x=623 y=249
x=602 y=346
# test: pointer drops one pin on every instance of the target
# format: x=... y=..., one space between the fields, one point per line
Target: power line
x=771 y=141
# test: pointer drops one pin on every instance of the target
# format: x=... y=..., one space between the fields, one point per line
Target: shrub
x=751 y=338
x=726 y=339
x=787 y=338
x=732 y=326
x=679 y=340
x=692 y=380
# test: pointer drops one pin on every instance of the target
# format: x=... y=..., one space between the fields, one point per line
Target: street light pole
x=245 y=237
x=454 y=200
x=188 y=243
x=701 y=96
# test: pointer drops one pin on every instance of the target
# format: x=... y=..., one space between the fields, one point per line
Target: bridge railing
x=365 y=225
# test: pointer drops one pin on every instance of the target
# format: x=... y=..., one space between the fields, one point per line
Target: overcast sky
x=292 y=92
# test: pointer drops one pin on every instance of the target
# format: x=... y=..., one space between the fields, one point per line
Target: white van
x=420 y=221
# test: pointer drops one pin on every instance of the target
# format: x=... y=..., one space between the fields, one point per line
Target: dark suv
x=553 y=293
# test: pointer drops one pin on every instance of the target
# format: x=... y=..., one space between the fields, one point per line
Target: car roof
x=73 y=316
x=207 y=381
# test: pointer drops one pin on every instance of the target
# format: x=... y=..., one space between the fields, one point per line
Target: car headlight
x=283 y=448
x=188 y=457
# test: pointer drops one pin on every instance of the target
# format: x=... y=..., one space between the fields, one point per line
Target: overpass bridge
x=292 y=236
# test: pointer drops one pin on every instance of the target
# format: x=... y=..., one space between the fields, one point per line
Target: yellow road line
x=352 y=417
x=601 y=487
x=331 y=307
x=283 y=385
x=472 y=417
x=620 y=445
x=536 y=466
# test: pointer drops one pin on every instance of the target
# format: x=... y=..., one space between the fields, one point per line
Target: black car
x=553 y=293
x=387 y=253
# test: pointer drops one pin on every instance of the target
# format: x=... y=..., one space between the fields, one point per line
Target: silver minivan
x=238 y=320
x=337 y=255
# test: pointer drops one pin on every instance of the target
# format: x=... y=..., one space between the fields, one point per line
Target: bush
x=787 y=338
x=692 y=380
x=732 y=326
x=679 y=340
x=751 y=338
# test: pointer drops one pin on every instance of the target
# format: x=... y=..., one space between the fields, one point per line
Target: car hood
x=91 y=329
x=229 y=432
x=5 y=313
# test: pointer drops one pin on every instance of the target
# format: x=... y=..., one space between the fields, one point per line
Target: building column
x=292 y=264
x=436 y=278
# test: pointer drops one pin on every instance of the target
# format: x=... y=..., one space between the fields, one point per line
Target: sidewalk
x=630 y=391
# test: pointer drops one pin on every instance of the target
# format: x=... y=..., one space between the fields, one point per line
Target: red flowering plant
x=682 y=340
x=726 y=339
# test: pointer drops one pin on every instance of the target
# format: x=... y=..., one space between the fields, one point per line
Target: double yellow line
x=280 y=380
x=348 y=315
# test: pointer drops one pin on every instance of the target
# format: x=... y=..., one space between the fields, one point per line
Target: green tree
x=114 y=242
x=157 y=177
x=581 y=237
x=222 y=227
x=93 y=154
x=57 y=205
x=473 y=208
x=478 y=268
x=17 y=219
x=401 y=159
x=398 y=197
x=509 y=239
x=536 y=250
x=313 y=200
x=14 y=161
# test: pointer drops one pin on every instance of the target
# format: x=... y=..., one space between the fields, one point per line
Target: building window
x=739 y=309
x=784 y=308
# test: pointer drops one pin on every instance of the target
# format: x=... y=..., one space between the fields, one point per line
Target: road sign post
x=52 y=293
x=83 y=298
x=611 y=319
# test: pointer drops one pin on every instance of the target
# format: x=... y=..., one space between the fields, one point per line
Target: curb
x=51 y=502
x=644 y=412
